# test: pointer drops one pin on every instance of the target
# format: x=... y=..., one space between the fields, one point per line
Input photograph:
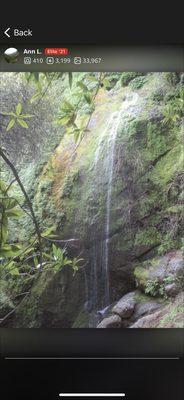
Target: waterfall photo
x=91 y=200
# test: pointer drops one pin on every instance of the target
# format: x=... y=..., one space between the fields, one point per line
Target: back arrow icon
x=6 y=32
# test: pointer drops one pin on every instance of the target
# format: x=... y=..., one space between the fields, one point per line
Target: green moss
x=167 y=244
x=31 y=307
x=141 y=275
x=172 y=77
x=176 y=209
x=168 y=166
x=69 y=183
x=138 y=82
x=45 y=186
x=6 y=304
x=158 y=95
x=82 y=320
x=142 y=298
x=126 y=77
x=149 y=203
x=124 y=243
x=148 y=236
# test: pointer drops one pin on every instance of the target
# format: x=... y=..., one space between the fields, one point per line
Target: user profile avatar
x=11 y=55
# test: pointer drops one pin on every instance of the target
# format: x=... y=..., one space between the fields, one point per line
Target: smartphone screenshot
x=91 y=219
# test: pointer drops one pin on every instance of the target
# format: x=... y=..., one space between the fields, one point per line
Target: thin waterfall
x=98 y=279
x=110 y=162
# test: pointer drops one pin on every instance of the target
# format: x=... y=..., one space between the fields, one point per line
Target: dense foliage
x=39 y=194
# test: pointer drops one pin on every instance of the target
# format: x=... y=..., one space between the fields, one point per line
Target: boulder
x=145 y=308
x=148 y=321
x=114 y=321
x=167 y=271
x=170 y=315
x=172 y=290
x=125 y=306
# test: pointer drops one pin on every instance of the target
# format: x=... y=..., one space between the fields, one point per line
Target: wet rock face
x=51 y=302
x=121 y=280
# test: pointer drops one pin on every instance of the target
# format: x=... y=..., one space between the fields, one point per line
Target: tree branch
x=28 y=201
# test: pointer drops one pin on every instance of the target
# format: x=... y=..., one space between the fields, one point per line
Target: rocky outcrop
x=146 y=307
x=170 y=316
x=161 y=275
x=51 y=302
x=130 y=308
x=155 y=298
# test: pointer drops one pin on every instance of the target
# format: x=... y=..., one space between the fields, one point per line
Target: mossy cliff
x=146 y=189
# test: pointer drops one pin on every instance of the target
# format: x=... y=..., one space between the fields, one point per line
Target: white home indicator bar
x=92 y=394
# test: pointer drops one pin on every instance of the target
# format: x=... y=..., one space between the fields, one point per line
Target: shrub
x=138 y=82
x=126 y=77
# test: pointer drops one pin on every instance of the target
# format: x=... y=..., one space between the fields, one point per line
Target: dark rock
x=51 y=302
x=125 y=306
x=172 y=290
x=114 y=321
x=145 y=308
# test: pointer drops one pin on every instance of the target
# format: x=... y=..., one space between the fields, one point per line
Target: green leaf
x=11 y=114
x=11 y=124
x=92 y=78
x=77 y=133
x=54 y=249
x=22 y=123
x=9 y=203
x=7 y=251
x=88 y=97
x=14 y=213
x=10 y=264
x=106 y=82
x=2 y=186
x=48 y=231
x=35 y=259
x=18 y=108
x=16 y=247
x=14 y=271
x=66 y=106
x=4 y=231
x=82 y=86
x=63 y=121
x=26 y=116
x=36 y=96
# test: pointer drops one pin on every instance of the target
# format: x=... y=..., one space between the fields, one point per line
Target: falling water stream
x=99 y=296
